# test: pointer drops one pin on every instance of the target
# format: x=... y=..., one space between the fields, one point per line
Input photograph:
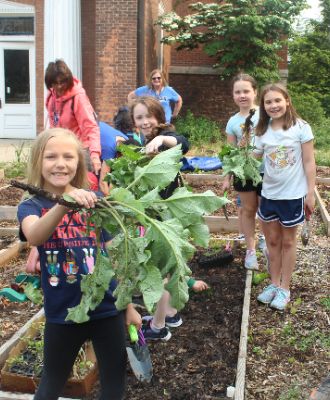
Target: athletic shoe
x=261 y=242
x=173 y=322
x=240 y=237
x=268 y=294
x=251 y=261
x=281 y=299
x=266 y=255
x=163 y=334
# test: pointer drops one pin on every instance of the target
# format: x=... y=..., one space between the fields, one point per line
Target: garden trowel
x=305 y=230
x=138 y=355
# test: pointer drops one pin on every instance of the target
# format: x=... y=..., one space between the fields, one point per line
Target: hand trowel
x=305 y=230
x=138 y=355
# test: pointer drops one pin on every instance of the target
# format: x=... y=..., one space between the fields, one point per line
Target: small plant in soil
x=30 y=361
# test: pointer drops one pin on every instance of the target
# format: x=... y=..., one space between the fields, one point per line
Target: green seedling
x=325 y=301
x=259 y=277
x=269 y=331
x=293 y=393
x=258 y=350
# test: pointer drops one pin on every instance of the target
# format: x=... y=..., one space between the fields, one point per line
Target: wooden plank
x=202 y=179
x=6 y=347
x=8 y=212
x=324 y=213
x=22 y=396
x=220 y=224
x=242 y=353
x=10 y=252
x=322 y=180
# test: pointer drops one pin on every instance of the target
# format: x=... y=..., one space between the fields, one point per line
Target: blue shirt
x=68 y=254
x=165 y=97
x=236 y=123
x=108 y=140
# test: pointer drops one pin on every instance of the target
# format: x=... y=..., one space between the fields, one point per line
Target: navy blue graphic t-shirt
x=69 y=253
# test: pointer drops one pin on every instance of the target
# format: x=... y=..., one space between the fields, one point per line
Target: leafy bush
x=307 y=103
x=199 y=130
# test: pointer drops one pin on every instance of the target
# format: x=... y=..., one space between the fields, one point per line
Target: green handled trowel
x=138 y=355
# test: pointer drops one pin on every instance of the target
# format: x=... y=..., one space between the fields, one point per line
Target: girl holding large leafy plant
x=70 y=249
x=239 y=163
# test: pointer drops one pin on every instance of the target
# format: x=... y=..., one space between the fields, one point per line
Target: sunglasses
x=156 y=78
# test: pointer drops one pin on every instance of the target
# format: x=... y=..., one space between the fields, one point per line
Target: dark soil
x=13 y=315
x=9 y=196
x=5 y=241
x=324 y=191
x=199 y=361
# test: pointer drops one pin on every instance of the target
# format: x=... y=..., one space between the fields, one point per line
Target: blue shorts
x=288 y=212
x=238 y=201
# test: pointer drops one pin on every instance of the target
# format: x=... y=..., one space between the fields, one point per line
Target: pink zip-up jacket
x=74 y=111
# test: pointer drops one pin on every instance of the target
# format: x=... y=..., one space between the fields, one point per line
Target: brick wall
x=115 y=54
x=205 y=95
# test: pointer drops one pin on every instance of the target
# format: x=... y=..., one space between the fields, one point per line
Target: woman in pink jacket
x=69 y=107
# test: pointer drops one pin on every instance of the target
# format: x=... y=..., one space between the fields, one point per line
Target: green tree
x=310 y=59
x=242 y=35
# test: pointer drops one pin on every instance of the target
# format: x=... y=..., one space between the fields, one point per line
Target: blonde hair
x=152 y=73
x=37 y=153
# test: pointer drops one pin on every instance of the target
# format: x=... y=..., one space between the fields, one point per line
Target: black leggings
x=62 y=343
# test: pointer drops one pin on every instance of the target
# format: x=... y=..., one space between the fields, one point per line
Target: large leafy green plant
x=172 y=226
x=239 y=161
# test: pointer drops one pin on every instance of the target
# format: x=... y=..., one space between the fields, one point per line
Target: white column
x=62 y=33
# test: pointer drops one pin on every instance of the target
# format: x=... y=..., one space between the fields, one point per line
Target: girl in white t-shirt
x=244 y=95
x=286 y=143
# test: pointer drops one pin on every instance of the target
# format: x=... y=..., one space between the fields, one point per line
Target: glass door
x=17 y=96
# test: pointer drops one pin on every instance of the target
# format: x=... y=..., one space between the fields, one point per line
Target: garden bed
x=23 y=367
x=200 y=360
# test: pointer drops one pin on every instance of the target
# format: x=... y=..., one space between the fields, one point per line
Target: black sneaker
x=173 y=322
x=164 y=334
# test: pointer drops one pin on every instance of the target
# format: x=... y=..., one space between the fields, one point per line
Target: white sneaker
x=261 y=242
x=251 y=261
x=265 y=252
x=240 y=237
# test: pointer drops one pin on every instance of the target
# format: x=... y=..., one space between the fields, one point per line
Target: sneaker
x=163 y=334
x=251 y=261
x=266 y=255
x=261 y=242
x=240 y=237
x=268 y=294
x=281 y=299
x=173 y=322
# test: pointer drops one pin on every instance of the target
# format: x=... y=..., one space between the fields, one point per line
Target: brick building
x=111 y=45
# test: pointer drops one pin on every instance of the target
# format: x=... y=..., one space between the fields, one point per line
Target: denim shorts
x=238 y=201
x=288 y=212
